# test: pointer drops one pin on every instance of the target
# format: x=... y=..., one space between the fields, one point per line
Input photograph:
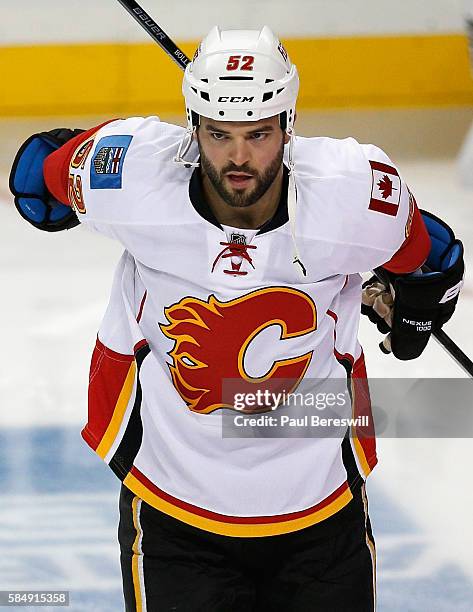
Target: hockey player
x=243 y=248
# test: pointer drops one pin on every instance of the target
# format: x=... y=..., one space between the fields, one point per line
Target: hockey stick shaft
x=157 y=34
x=451 y=347
x=454 y=351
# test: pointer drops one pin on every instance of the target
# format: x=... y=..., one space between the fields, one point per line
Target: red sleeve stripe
x=415 y=248
x=56 y=165
x=111 y=382
x=333 y=315
x=363 y=436
x=140 y=313
x=339 y=356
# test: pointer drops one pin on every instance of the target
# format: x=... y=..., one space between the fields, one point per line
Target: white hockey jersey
x=195 y=304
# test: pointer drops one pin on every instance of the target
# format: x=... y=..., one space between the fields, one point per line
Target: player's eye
x=259 y=135
x=217 y=136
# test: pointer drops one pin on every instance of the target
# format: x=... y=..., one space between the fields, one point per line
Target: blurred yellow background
x=89 y=59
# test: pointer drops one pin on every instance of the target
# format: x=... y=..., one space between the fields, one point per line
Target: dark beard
x=241 y=198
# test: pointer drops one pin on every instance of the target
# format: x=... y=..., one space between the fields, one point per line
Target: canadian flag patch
x=385 y=189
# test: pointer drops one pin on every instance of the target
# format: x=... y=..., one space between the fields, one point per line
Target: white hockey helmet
x=240 y=75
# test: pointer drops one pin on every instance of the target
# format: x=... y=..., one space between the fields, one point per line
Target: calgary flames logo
x=212 y=337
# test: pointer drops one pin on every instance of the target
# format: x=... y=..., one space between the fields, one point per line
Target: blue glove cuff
x=32 y=198
x=27 y=178
x=445 y=250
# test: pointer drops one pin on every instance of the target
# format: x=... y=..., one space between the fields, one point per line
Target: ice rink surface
x=58 y=502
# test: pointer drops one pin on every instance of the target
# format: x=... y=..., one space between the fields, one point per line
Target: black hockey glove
x=412 y=306
x=32 y=199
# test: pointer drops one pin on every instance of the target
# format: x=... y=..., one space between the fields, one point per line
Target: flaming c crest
x=211 y=338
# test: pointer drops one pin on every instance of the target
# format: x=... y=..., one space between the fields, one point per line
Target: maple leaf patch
x=386 y=187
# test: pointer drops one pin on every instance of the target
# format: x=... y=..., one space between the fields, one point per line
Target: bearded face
x=241 y=186
x=241 y=160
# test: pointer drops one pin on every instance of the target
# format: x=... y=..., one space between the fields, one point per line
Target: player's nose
x=239 y=153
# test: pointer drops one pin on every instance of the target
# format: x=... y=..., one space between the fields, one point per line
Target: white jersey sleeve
x=356 y=210
x=115 y=175
x=387 y=208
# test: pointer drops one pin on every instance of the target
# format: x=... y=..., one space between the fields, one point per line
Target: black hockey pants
x=169 y=566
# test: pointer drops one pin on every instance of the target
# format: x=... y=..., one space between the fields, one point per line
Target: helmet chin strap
x=292 y=202
x=183 y=149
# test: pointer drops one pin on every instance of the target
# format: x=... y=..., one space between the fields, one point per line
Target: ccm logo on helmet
x=236 y=98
